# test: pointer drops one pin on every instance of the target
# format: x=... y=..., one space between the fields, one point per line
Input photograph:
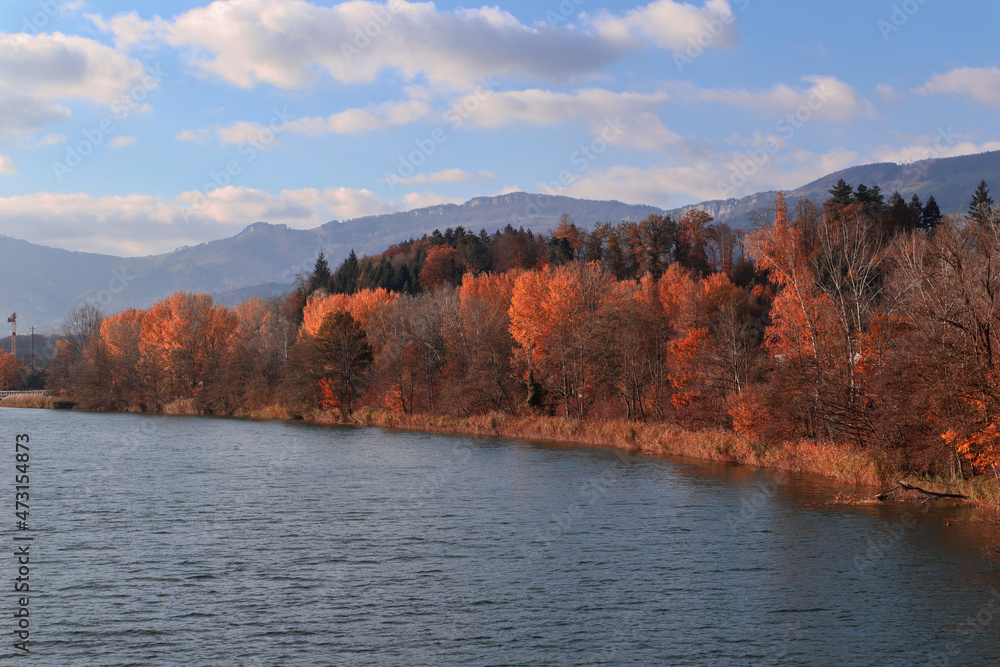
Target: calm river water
x=175 y=540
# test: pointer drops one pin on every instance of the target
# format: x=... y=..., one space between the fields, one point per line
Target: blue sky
x=130 y=131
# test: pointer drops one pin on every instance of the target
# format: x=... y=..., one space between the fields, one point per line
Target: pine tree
x=931 y=216
x=916 y=212
x=345 y=280
x=981 y=206
x=842 y=193
x=898 y=213
x=320 y=277
x=871 y=198
x=877 y=199
x=862 y=196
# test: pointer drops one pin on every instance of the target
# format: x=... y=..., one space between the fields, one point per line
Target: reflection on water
x=192 y=540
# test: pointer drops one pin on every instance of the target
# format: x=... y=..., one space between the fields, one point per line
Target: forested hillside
x=864 y=321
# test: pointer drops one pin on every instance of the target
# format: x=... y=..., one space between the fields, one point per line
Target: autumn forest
x=860 y=321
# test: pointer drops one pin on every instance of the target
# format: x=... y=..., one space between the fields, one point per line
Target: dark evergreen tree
x=560 y=251
x=877 y=199
x=383 y=275
x=916 y=213
x=931 y=215
x=841 y=194
x=898 y=214
x=871 y=199
x=345 y=280
x=320 y=278
x=981 y=206
x=862 y=195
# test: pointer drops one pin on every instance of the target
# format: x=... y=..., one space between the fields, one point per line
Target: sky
x=131 y=131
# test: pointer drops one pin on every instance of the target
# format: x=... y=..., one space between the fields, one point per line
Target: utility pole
x=32 y=349
x=13 y=335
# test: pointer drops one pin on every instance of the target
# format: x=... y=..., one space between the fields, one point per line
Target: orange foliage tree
x=439 y=268
x=186 y=337
x=360 y=305
x=10 y=372
x=554 y=318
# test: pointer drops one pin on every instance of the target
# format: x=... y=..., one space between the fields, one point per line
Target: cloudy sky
x=130 y=132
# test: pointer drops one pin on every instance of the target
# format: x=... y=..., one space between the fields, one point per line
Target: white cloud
x=130 y=29
x=671 y=185
x=356 y=121
x=646 y=131
x=980 y=85
x=545 y=107
x=23 y=115
x=674 y=25
x=142 y=224
x=446 y=176
x=57 y=66
x=7 y=166
x=196 y=136
x=49 y=140
x=826 y=99
x=241 y=131
x=931 y=147
x=424 y=199
x=286 y=43
x=887 y=93
x=121 y=142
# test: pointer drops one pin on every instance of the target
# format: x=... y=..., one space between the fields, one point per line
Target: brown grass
x=182 y=406
x=271 y=412
x=35 y=401
x=841 y=462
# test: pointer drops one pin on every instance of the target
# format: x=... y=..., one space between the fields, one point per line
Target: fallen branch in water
x=933 y=494
x=882 y=496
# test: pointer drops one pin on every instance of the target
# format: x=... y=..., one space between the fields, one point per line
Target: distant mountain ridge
x=951 y=181
x=43 y=284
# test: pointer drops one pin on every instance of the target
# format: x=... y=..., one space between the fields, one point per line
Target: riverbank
x=844 y=463
x=34 y=401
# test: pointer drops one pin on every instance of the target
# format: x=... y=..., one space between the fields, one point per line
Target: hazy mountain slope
x=371 y=235
x=43 y=284
x=950 y=180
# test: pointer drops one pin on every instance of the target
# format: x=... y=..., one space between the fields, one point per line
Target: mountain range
x=43 y=284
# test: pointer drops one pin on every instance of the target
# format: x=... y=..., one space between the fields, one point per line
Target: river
x=187 y=540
